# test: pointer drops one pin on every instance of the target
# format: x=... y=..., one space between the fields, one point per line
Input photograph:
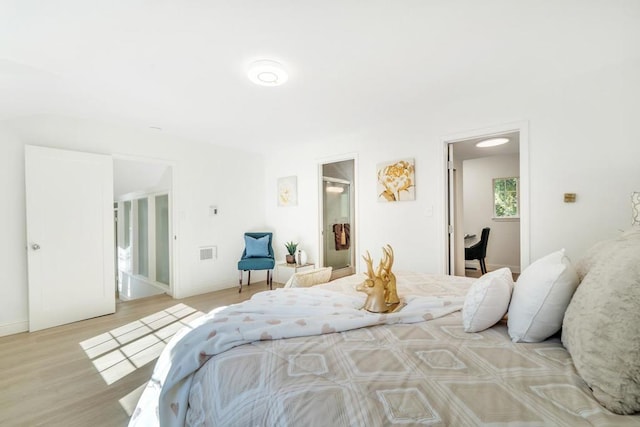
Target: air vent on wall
x=208 y=252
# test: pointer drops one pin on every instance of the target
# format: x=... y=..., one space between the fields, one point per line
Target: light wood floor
x=90 y=373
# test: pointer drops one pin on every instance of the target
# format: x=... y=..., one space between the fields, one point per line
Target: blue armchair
x=257 y=255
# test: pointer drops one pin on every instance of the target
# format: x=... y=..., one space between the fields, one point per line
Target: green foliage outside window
x=505 y=198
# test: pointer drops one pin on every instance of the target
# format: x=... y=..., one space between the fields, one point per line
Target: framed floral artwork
x=635 y=208
x=288 y=191
x=396 y=181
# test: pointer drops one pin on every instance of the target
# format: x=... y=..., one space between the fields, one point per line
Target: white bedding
x=283 y=313
x=394 y=372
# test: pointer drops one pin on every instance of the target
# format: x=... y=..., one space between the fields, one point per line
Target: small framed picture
x=288 y=191
x=396 y=181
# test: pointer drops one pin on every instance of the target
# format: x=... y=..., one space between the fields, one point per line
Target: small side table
x=290 y=270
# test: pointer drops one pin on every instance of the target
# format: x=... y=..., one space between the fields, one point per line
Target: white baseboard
x=491 y=267
x=14 y=328
x=513 y=268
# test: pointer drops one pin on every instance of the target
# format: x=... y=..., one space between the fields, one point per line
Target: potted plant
x=291 y=248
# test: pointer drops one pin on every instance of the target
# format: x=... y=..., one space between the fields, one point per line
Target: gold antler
x=380 y=286
x=390 y=294
x=369 y=261
x=388 y=258
x=380 y=269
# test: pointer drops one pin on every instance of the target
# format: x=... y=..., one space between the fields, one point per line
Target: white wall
x=204 y=174
x=503 y=249
x=583 y=138
x=130 y=176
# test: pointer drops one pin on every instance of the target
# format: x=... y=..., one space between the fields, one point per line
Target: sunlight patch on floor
x=117 y=353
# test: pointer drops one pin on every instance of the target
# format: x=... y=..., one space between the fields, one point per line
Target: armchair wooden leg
x=268 y=282
x=249 y=279
x=240 y=282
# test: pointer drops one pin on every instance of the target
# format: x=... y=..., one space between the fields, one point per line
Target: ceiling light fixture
x=492 y=142
x=266 y=72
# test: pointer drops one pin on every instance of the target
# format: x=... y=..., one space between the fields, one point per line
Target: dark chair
x=479 y=250
x=257 y=255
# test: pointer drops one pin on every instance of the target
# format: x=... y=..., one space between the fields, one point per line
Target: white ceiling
x=181 y=65
x=465 y=150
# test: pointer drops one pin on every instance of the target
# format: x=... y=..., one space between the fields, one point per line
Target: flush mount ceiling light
x=267 y=73
x=492 y=142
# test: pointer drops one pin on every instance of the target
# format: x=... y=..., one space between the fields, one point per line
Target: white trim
x=14 y=328
x=493 y=267
x=355 y=243
x=523 y=128
x=513 y=268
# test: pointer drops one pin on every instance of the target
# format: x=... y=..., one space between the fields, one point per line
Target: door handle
x=35 y=246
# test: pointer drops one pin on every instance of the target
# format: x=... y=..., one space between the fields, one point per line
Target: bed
x=337 y=365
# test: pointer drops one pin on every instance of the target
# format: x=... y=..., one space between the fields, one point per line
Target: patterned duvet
x=425 y=373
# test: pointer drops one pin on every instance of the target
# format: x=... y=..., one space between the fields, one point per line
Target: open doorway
x=338 y=217
x=476 y=182
x=143 y=199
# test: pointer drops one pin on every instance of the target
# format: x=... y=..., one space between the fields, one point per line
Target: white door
x=69 y=197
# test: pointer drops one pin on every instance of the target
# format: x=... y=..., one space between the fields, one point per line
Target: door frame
x=525 y=211
x=355 y=242
x=174 y=253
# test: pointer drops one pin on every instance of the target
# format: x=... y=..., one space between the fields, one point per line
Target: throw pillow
x=602 y=249
x=309 y=278
x=540 y=297
x=600 y=328
x=487 y=300
x=256 y=248
x=584 y=264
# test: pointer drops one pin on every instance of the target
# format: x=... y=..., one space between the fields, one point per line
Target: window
x=505 y=198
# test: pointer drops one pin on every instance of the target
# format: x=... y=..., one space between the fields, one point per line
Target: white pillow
x=313 y=277
x=487 y=300
x=540 y=297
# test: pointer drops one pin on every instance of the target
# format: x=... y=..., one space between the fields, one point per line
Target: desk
x=290 y=270
x=469 y=240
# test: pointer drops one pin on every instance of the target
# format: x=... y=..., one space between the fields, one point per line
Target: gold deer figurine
x=380 y=286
